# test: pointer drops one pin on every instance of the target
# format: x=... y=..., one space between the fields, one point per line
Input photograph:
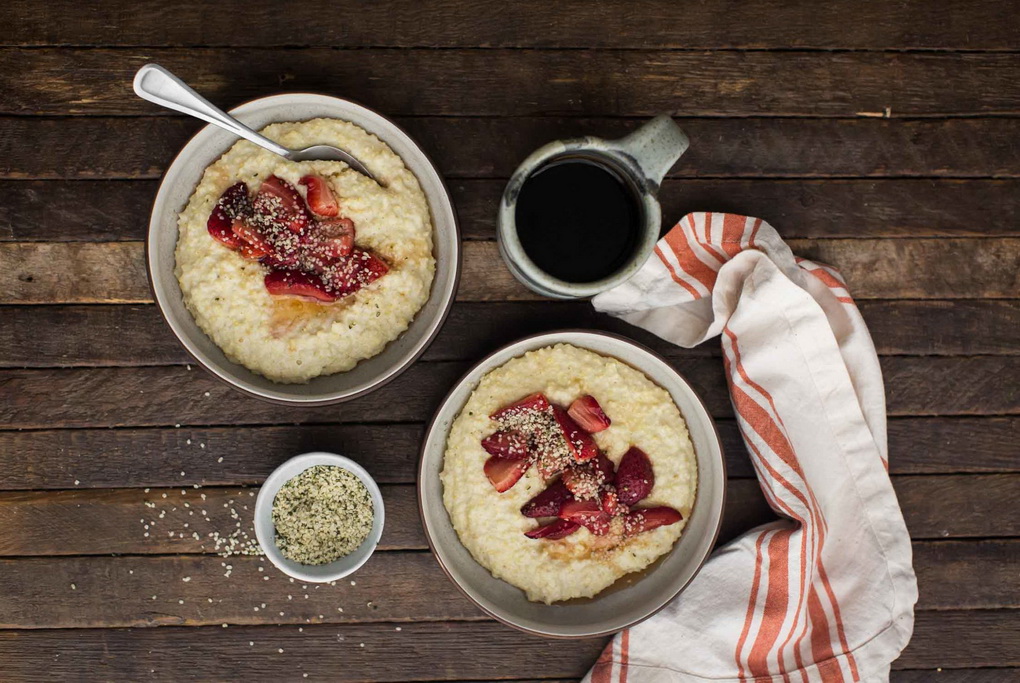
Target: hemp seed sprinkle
x=321 y=515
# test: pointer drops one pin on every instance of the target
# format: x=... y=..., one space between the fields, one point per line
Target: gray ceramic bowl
x=180 y=181
x=632 y=598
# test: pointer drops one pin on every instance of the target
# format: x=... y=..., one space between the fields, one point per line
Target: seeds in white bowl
x=321 y=515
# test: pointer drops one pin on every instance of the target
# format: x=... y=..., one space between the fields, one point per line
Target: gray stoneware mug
x=641 y=159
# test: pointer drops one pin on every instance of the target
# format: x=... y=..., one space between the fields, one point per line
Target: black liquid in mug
x=578 y=220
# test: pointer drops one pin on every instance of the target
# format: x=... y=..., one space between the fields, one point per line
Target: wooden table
x=878 y=136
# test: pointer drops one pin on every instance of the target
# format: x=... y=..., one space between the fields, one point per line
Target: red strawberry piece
x=588 y=514
x=510 y=445
x=584 y=481
x=647 y=519
x=233 y=203
x=551 y=462
x=348 y=275
x=503 y=473
x=252 y=237
x=299 y=284
x=278 y=203
x=587 y=413
x=553 y=530
x=333 y=238
x=606 y=467
x=580 y=443
x=532 y=402
x=549 y=502
x=321 y=199
x=634 y=476
x=610 y=503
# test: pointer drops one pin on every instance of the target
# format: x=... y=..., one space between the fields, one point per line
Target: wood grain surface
x=878 y=137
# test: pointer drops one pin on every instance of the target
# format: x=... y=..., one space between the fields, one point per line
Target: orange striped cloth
x=827 y=593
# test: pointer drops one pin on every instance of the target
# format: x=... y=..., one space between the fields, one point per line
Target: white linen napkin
x=826 y=594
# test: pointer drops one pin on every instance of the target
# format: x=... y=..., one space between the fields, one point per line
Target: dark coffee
x=578 y=220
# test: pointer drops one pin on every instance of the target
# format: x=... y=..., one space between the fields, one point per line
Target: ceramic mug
x=641 y=159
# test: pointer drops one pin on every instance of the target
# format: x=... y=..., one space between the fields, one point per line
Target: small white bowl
x=265 y=531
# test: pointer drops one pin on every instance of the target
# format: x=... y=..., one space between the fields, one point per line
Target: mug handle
x=655 y=147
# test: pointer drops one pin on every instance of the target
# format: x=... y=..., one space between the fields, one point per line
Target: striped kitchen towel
x=827 y=593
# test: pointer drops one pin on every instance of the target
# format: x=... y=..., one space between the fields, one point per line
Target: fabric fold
x=827 y=592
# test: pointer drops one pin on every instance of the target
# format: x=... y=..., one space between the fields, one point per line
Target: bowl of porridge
x=304 y=282
x=571 y=484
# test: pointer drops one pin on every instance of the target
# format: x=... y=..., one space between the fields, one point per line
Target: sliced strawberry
x=549 y=502
x=348 y=275
x=585 y=481
x=297 y=283
x=588 y=514
x=634 y=476
x=587 y=413
x=503 y=473
x=233 y=203
x=507 y=444
x=321 y=199
x=552 y=461
x=553 y=530
x=610 y=503
x=332 y=239
x=606 y=467
x=278 y=203
x=250 y=235
x=580 y=443
x=536 y=402
x=647 y=519
x=250 y=252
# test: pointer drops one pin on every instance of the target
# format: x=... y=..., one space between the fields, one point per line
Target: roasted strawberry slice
x=532 y=402
x=251 y=235
x=549 y=502
x=321 y=199
x=233 y=203
x=587 y=413
x=332 y=239
x=299 y=284
x=647 y=519
x=507 y=444
x=606 y=467
x=503 y=473
x=278 y=203
x=610 y=503
x=561 y=528
x=634 y=476
x=348 y=275
x=588 y=514
x=585 y=481
x=580 y=443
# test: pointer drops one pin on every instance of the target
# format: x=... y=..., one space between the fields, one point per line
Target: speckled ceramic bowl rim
x=395 y=370
x=553 y=338
x=265 y=531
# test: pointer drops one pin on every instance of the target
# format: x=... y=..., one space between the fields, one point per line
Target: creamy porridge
x=491 y=525
x=296 y=338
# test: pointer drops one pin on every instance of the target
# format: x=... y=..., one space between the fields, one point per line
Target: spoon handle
x=156 y=84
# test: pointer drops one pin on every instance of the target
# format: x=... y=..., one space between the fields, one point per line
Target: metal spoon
x=156 y=84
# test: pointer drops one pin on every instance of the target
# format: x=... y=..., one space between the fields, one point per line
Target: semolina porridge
x=563 y=502
x=301 y=269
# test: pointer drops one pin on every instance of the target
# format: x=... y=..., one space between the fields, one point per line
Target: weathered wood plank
x=114 y=272
x=495 y=82
x=226 y=456
x=162 y=396
x=100 y=335
x=197 y=590
x=105 y=521
x=102 y=211
x=190 y=590
x=419 y=651
x=860 y=24
x=492 y=147
x=967 y=574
